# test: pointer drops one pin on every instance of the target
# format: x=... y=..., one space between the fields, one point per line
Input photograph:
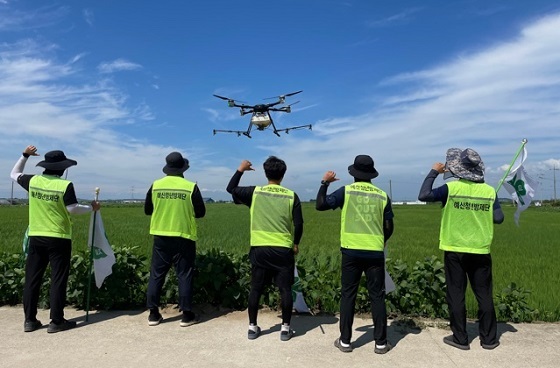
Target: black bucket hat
x=363 y=168
x=56 y=160
x=176 y=164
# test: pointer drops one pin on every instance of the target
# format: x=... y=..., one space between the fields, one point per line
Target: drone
x=260 y=115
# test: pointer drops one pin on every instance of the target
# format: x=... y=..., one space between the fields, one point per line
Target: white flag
x=389 y=283
x=299 y=303
x=103 y=256
x=522 y=189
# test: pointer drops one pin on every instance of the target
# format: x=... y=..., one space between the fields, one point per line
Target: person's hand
x=330 y=176
x=245 y=165
x=31 y=151
x=296 y=249
x=439 y=167
x=95 y=205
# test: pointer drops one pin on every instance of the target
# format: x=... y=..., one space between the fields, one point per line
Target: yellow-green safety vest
x=271 y=216
x=467 y=221
x=173 y=210
x=362 y=217
x=48 y=215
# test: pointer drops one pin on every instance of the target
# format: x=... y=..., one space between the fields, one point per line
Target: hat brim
x=60 y=165
x=358 y=174
x=456 y=169
x=176 y=170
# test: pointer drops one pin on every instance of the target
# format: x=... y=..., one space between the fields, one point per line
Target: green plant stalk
x=523 y=143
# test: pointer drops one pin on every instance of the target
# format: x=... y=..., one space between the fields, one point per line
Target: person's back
x=467 y=219
x=366 y=225
x=271 y=216
x=470 y=210
x=47 y=213
x=173 y=213
x=173 y=203
x=276 y=230
x=51 y=201
x=362 y=217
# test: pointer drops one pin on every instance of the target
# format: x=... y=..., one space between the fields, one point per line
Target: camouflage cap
x=464 y=164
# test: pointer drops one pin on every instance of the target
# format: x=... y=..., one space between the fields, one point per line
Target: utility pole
x=390 y=190
x=554 y=179
x=12 y=198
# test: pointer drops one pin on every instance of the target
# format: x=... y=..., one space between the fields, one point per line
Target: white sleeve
x=78 y=209
x=17 y=171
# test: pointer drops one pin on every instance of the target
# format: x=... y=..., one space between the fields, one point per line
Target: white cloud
x=89 y=17
x=117 y=66
x=399 y=18
x=488 y=100
x=40 y=104
x=14 y=20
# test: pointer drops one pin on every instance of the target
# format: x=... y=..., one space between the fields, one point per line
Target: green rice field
x=527 y=255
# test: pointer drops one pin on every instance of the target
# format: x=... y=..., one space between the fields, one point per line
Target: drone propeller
x=223 y=98
x=282 y=98
x=293 y=93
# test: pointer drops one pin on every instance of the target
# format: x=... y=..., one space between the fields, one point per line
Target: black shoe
x=63 y=326
x=450 y=341
x=189 y=319
x=286 y=335
x=490 y=346
x=154 y=318
x=382 y=349
x=344 y=349
x=30 y=326
x=251 y=335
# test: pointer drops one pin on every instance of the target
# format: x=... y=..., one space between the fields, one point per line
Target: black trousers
x=271 y=264
x=352 y=269
x=42 y=251
x=477 y=268
x=168 y=251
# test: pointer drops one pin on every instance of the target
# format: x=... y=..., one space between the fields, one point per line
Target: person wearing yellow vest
x=51 y=201
x=276 y=231
x=173 y=203
x=366 y=225
x=470 y=210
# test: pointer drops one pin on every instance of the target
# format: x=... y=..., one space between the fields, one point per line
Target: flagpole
x=91 y=256
x=523 y=143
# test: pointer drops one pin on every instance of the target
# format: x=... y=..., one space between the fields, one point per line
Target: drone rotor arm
x=287 y=130
x=238 y=132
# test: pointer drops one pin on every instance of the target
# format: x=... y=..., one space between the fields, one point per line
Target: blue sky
x=118 y=85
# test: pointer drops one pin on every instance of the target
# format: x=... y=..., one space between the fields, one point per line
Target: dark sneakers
x=30 y=326
x=189 y=319
x=490 y=346
x=63 y=326
x=382 y=349
x=449 y=340
x=251 y=335
x=344 y=349
x=154 y=318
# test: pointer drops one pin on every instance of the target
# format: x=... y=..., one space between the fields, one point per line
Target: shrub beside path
x=124 y=339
